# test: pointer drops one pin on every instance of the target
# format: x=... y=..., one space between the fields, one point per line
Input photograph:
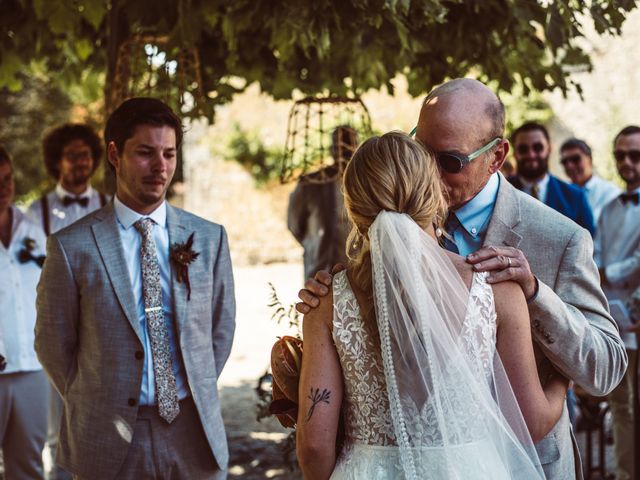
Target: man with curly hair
x=72 y=153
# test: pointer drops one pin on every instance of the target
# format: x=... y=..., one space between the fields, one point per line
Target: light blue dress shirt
x=131 y=241
x=474 y=217
x=599 y=193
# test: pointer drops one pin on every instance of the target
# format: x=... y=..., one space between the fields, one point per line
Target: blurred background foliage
x=56 y=55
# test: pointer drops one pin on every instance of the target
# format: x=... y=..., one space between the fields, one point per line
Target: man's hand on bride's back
x=316 y=287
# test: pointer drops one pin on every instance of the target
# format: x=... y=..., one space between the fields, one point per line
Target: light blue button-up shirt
x=131 y=240
x=474 y=217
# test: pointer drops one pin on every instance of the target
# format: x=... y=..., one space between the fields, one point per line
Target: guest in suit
x=24 y=389
x=517 y=238
x=316 y=214
x=532 y=149
x=72 y=153
x=136 y=318
x=575 y=157
x=617 y=254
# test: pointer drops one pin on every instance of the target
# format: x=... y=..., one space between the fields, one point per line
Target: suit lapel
x=109 y=245
x=505 y=217
x=178 y=233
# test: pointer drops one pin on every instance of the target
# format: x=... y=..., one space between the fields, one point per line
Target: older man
x=517 y=238
x=576 y=158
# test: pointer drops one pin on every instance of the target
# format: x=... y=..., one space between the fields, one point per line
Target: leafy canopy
x=322 y=46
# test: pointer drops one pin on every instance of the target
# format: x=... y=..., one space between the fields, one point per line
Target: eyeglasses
x=524 y=148
x=574 y=159
x=454 y=162
x=620 y=155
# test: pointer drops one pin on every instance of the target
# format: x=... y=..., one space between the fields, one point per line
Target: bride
x=431 y=367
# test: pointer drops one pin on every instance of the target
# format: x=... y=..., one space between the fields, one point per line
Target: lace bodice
x=365 y=404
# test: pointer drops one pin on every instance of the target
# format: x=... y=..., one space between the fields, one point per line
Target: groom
x=515 y=237
x=136 y=315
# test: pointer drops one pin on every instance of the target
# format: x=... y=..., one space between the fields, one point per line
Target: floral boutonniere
x=26 y=254
x=182 y=255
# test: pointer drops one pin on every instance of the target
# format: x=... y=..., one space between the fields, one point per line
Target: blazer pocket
x=548 y=450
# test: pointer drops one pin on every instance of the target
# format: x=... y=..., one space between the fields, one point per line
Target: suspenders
x=46 y=220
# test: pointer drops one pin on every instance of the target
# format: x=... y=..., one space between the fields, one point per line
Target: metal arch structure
x=311 y=123
x=146 y=65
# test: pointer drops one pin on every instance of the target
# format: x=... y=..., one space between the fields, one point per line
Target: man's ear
x=112 y=155
x=499 y=156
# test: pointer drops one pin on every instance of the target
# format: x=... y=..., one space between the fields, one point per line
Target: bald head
x=462 y=116
x=467 y=101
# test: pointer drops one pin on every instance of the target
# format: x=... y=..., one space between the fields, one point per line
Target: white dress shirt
x=617 y=250
x=132 y=241
x=599 y=193
x=542 y=184
x=61 y=216
x=18 y=283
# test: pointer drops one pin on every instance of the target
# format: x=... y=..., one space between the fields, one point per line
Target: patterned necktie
x=534 y=191
x=166 y=391
x=450 y=226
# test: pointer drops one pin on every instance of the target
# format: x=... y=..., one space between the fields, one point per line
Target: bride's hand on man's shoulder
x=316 y=287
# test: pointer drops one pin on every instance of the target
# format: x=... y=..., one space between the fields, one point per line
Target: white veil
x=452 y=419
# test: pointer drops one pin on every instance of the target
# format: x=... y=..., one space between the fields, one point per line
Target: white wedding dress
x=455 y=431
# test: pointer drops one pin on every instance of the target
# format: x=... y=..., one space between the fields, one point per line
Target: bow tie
x=630 y=197
x=68 y=200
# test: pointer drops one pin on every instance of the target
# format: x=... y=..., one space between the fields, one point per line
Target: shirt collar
x=542 y=183
x=589 y=184
x=474 y=214
x=127 y=217
x=61 y=192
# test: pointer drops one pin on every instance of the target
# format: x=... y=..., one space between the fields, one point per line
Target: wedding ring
x=509 y=262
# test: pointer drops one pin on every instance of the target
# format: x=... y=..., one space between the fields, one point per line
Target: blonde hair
x=393 y=173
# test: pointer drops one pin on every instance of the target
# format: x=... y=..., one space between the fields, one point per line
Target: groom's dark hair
x=122 y=123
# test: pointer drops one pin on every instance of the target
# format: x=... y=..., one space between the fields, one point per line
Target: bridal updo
x=393 y=173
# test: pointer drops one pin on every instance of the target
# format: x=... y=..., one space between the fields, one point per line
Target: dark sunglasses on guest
x=574 y=159
x=523 y=148
x=454 y=162
x=620 y=155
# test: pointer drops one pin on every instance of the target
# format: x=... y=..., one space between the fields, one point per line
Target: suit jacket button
x=132 y=402
x=139 y=354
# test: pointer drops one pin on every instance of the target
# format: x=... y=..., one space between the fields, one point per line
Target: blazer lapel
x=177 y=234
x=109 y=245
x=505 y=217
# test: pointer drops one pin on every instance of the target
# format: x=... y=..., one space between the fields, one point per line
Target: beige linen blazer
x=571 y=326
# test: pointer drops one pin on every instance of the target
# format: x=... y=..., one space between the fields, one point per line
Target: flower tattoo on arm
x=316 y=396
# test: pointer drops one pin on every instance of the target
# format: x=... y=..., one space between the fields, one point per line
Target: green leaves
x=319 y=47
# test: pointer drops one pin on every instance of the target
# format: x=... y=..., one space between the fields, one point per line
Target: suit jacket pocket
x=548 y=449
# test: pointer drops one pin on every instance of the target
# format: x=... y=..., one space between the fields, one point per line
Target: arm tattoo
x=316 y=396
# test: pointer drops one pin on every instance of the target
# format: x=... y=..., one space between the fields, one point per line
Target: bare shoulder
x=465 y=269
x=509 y=300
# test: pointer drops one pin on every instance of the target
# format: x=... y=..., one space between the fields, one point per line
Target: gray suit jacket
x=87 y=336
x=571 y=325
